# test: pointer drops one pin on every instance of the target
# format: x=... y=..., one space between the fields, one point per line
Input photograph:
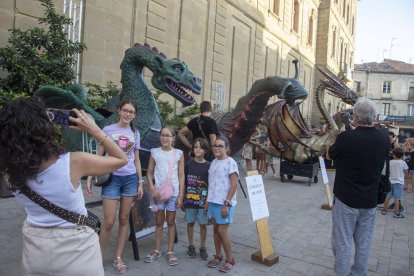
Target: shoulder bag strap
x=72 y=217
x=170 y=165
x=201 y=129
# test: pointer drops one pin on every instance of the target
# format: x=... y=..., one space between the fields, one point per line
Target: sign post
x=326 y=182
x=260 y=212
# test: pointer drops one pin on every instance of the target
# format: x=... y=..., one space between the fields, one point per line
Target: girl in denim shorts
x=126 y=182
x=166 y=164
x=222 y=188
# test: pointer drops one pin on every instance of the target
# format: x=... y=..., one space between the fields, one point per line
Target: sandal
x=215 y=261
x=155 y=254
x=383 y=212
x=119 y=267
x=172 y=259
x=228 y=266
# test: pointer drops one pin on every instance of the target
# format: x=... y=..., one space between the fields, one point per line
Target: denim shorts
x=396 y=191
x=411 y=171
x=193 y=214
x=169 y=205
x=214 y=211
x=126 y=185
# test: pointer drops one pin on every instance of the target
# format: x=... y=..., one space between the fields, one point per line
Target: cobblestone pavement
x=300 y=230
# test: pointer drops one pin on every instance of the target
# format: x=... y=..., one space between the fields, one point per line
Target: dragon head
x=293 y=89
x=173 y=77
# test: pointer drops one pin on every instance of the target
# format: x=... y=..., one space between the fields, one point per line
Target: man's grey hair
x=364 y=112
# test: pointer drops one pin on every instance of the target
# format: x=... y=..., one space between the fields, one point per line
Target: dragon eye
x=178 y=68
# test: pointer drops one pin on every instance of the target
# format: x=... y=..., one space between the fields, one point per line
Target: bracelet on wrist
x=141 y=181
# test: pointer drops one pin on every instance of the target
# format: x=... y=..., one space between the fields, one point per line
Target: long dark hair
x=135 y=106
x=26 y=138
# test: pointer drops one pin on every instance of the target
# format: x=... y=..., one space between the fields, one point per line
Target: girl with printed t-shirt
x=166 y=167
x=222 y=188
x=126 y=182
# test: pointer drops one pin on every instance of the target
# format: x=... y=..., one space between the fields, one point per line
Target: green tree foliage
x=98 y=96
x=39 y=56
x=166 y=110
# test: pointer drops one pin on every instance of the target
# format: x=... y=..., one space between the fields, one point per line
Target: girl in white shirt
x=165 y=160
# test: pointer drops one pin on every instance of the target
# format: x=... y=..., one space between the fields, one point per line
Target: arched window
x=343 y=9
x=333 y=42
x=310 y=29
x=296 y=16
x=351 y=60
x=352 y=25
x=347 y=15
x=345 y=55
x=276 y=7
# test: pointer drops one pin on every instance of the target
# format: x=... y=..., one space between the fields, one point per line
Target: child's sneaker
x=398 y=215
x=203 y=253
x=191 y=251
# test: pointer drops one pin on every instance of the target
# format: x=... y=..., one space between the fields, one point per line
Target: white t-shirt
x=162 y=160
x=397 y=168
x=219 y=180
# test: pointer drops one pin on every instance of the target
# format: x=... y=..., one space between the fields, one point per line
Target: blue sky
x=380 y=23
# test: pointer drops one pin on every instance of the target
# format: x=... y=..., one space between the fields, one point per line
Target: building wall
x=371 y=87
x=335 y=46
x=229 y=43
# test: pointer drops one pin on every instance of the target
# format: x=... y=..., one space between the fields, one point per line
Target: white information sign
x=323 y=170
x=257 y=197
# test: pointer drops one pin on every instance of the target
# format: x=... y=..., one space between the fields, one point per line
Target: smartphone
x=61 y=116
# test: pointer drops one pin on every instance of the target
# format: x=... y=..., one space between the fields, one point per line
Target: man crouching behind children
x=398 y=168
x=222 y=187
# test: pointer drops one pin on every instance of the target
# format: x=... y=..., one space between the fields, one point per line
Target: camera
x=61 y=116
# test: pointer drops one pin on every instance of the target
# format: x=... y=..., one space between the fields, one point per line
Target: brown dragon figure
x=288 y=131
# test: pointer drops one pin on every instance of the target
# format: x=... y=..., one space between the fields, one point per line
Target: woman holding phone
x=32 y=157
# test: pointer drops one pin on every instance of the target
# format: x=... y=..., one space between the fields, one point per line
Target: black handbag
x=102 y=180
x=384 y=186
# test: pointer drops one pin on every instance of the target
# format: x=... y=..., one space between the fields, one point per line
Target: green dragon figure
x=169 y=75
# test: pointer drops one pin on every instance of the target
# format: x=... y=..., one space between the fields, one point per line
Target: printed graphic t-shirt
x=128 y=141
x=196 y=184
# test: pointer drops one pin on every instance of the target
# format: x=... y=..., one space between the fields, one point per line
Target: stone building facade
x=335 y=46
x=228 y=43
x=390 y=85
